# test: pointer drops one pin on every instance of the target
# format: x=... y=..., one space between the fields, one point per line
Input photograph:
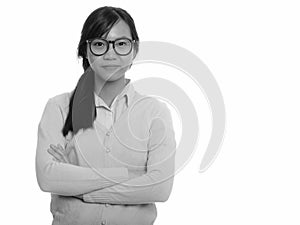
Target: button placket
x=107 y=149
x=108 y=133
x=103 y=221
x=107 y=140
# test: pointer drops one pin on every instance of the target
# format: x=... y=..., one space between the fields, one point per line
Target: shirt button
x=108 y=133
x=103 y=223
x=107 y=149
x=106 y=204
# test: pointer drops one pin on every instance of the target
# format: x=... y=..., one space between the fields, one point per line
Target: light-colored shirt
x=107 y=115
x=125 y=161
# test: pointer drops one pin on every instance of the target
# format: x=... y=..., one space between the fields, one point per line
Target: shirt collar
x=127 y=92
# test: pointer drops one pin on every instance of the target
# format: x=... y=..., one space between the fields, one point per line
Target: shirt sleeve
x=61 y=178
x=156 y=184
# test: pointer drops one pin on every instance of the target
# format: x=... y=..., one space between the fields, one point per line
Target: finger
x=60 y=147
x=56 y=160
x=54 y=154
x=56 y=146
x=57 y=150
x=60 y=152
x=66 y=150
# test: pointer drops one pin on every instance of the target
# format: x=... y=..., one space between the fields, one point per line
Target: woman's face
x=111 y=66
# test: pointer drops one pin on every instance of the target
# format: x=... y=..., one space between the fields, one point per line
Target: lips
x=111 y=66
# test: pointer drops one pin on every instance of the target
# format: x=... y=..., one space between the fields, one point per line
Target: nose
x=110 y=54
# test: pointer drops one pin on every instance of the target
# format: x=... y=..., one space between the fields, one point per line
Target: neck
x=110 y=89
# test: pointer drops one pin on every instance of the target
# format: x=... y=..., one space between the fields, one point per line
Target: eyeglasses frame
x=89 y=41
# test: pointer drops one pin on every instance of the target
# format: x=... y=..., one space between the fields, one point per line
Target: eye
x=98 y=43
x=123 y=43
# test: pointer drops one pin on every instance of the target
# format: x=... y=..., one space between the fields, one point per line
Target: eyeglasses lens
x=121 y=46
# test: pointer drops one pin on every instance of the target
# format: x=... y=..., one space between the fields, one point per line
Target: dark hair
x=98 y=23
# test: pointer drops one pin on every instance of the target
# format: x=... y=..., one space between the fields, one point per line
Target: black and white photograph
x=150 y=112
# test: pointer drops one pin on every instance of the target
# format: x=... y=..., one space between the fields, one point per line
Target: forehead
x=119 y=29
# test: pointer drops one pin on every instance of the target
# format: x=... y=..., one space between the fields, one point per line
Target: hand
x=67 y=155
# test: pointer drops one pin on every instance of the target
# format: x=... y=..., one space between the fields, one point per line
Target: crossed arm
x=61 y=177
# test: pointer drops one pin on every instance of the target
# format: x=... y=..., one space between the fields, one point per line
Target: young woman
x=105 y=152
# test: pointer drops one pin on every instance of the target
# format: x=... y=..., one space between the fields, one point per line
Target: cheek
x=127 y=60
x=91 y=58
x=94 y=60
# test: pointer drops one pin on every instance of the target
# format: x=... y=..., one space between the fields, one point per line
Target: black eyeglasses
x=99 y=46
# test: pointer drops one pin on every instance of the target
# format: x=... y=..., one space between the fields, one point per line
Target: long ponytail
x=82 y=110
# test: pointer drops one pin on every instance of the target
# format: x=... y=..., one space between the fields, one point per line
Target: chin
x=109 y=76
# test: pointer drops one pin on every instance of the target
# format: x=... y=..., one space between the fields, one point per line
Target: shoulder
x=61 y=100
x=152 y=106
x=58 y=104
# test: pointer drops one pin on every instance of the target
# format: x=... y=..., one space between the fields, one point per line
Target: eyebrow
x=116 y=38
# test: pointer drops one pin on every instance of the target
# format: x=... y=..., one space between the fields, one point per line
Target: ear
x=134 y=53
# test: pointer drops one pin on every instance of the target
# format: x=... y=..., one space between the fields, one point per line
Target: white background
x=251 y=47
